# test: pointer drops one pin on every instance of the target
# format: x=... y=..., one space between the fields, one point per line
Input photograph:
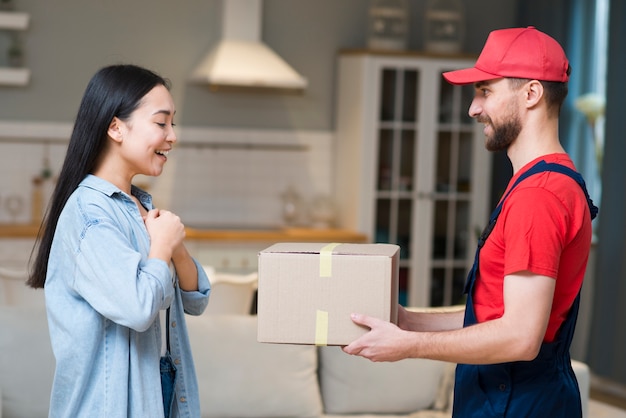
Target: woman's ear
x=115 y=130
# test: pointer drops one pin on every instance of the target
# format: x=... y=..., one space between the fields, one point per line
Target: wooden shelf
x=406 y=53
x=14 y=20
x=276 y=235
x=14 y=76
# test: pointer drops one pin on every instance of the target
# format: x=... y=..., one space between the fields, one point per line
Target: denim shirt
x=103 y=297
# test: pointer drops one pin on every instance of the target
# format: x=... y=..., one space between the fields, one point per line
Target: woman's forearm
x=185 y=268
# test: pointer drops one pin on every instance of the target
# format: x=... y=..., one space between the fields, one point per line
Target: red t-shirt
x=544 y=228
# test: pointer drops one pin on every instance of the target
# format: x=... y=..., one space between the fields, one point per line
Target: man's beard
x=503 y=135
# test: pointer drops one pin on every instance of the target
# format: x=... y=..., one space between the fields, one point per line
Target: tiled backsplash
x=236 y=178
x=214 y=177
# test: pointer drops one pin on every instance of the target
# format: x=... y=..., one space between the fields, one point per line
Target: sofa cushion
x=239 y=377
x=354 y=385
x=13 y=289
x=26 y=362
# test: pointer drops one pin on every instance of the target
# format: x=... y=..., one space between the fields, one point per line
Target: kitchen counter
x=231 y=235
x=19 y=230
x=276 y=235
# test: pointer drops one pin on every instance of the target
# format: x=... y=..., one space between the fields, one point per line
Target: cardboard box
x=307 y=291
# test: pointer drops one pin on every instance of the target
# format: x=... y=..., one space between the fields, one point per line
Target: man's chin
x=494 y=146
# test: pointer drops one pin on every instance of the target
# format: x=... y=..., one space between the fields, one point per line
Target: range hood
x=241 y=61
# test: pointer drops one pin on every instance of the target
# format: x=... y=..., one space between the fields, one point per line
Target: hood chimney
x=241 y=61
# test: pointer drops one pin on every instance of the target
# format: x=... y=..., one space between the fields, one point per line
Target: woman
x=112 y=265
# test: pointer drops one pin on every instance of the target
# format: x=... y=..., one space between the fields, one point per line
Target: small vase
x=444 y=26
x=388 y=25
x=322 y=212
x=291 y=206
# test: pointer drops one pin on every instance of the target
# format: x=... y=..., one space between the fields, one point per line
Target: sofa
x=239 y=377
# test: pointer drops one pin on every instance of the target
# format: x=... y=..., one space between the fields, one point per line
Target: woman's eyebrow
x=164 y=111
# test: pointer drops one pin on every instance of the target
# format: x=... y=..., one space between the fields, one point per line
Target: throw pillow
x=354 y=385
x=240 y=377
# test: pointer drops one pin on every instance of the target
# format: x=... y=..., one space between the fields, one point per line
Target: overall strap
x=542 y=166
x=539 y=167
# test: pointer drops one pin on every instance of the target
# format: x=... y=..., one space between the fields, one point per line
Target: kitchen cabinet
x=14 y=21
x=410 y=167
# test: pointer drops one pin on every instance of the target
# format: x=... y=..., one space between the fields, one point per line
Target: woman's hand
x=166 y=232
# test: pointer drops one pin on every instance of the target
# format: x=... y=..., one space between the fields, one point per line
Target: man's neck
x=532 y=144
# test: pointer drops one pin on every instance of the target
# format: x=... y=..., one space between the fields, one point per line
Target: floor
x=604 y=410
x=608 y=400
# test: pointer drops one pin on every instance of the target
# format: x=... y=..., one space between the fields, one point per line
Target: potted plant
x=7 y=4
x=15 y=54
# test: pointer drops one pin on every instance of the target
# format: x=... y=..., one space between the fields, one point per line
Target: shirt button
x=177 y=361
x=502 y=387
x=183 y=399
x=173 y=324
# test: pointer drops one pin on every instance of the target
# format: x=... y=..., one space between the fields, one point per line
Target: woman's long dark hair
x=114 y=91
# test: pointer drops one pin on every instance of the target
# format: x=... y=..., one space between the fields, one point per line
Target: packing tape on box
x=321 y=317
x=321 y=328
x=326 y=260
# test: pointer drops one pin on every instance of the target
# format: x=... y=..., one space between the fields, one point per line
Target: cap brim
x=468 y=76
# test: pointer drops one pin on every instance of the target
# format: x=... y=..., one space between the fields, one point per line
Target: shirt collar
x=109 y=189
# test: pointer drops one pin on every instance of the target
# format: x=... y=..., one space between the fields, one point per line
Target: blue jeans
x=168 y=381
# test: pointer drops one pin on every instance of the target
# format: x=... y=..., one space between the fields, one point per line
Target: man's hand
x=384 y=342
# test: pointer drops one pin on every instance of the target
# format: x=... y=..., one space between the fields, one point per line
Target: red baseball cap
x=516 y=53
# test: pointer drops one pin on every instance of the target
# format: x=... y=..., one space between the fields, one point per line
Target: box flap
x=337 y=248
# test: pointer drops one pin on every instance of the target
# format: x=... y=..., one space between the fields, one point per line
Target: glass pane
x=440 y=229
x=465 y=163
x=404 y=227
x=403 y=286
x=444 y=155
x=467 y=95
x=461 y=238
x=446 y=106
x=407 y=153
x=383 y=226
x=437 y=286
x=385 y=159
x=458 y=284
x=388 y=95
x=409 y=101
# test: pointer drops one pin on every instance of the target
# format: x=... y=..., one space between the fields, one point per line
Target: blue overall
x=543 y=387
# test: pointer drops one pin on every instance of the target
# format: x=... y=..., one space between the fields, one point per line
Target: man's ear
x=534 y=93
x=115 y=130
